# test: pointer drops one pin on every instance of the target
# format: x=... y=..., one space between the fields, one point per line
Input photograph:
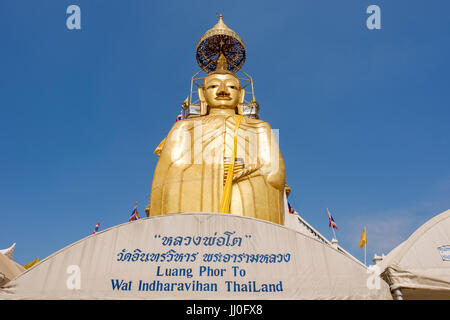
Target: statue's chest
x=217 y=142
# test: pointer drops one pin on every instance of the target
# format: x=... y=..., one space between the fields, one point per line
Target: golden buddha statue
x=220 y=160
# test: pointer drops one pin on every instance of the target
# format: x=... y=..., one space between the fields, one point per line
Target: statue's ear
x=203 y=105
x=240 y=107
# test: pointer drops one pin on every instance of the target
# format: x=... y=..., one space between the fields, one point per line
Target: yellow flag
x=363 y=241
x=32 y=263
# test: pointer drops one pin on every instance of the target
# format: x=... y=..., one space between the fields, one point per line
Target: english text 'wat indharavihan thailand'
x=219 y=224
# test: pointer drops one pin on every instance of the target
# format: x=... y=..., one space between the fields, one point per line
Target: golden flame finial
x=222 y=64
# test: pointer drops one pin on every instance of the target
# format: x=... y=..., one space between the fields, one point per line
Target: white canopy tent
x=9 y=252
x=197 y=256
x=419 y=268
x=8 y=269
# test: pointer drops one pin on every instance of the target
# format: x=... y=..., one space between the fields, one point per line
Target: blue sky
x=363 y=114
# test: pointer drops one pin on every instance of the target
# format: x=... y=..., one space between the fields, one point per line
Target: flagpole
x=332 y=228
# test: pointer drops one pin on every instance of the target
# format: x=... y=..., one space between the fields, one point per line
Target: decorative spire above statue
x=220 y=40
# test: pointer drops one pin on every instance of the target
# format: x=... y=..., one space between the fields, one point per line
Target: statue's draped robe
x=191 y=170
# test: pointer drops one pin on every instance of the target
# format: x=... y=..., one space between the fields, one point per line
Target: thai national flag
x=96 y=227
x=180 y=116
x=291 y=209
x=331 y=220
x=134 y=214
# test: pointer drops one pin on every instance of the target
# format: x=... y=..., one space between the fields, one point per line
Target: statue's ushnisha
x=221 y=157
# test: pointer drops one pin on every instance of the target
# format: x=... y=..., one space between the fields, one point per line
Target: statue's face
x=222 y=91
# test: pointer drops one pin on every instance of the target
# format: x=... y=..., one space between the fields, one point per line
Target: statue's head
x=221 y=89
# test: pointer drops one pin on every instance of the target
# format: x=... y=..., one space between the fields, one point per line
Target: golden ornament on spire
x=220 y=39
x=222 y=64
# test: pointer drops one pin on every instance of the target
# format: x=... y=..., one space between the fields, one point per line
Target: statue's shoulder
x=257 y=123
x=183 y=124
